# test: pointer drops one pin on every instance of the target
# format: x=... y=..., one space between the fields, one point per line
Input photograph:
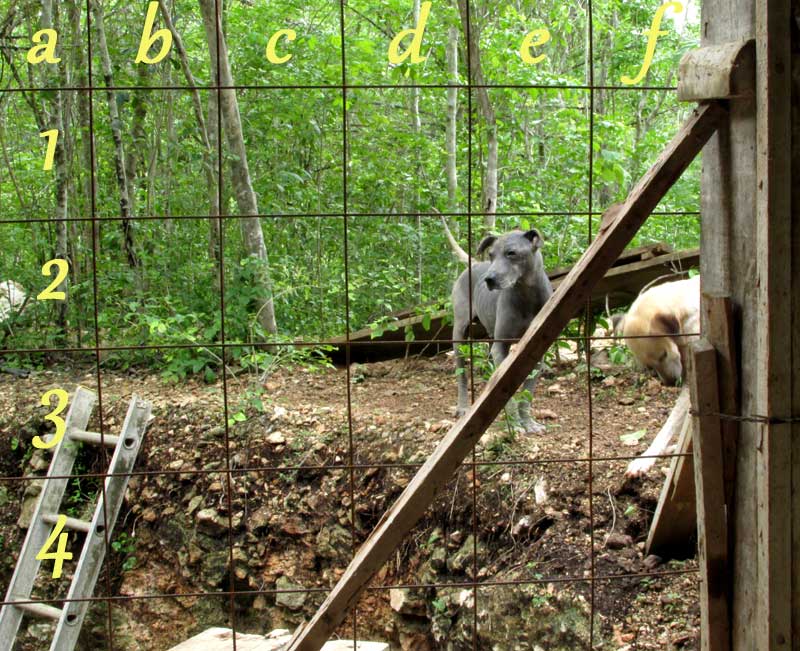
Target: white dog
x=654 y=329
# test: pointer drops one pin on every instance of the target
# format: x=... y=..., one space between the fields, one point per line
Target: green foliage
x=327 y=272
x=125 y=545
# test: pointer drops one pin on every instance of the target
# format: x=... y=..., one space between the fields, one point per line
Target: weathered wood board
x=615 y=232
x=634 y=269
x=221 y=639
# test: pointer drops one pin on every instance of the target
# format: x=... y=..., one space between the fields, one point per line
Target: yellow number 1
x=54 y=418
x=61 y=554
x=52 y=139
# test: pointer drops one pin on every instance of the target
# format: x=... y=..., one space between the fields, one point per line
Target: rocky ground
x=531 y=521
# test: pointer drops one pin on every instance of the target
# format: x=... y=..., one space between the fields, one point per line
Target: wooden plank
x=728 y=267
x=221 y=639
x=719 y=330
x=543 y=331
x=795 y=299
x=718 y=71
x=774 y=629
x=620 y=285
x=712 y=527
x=675 y=519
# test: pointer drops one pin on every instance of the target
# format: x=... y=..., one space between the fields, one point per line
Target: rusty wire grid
x=349 y=464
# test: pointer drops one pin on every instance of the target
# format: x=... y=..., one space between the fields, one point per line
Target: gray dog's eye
x=511 y=254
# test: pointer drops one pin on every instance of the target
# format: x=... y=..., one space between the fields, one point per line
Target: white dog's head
x=655 y=327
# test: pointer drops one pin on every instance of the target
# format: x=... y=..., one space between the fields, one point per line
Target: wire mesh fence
x=236 y=481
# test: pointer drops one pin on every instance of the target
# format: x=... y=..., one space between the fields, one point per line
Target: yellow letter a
x=148 y=38
x=653 y=33
x=46 y=51
x=418 y=31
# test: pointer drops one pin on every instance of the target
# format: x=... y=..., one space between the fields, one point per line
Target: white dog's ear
x=486 y=242
x=617 y=323
x=534 y=238
x=667 y=324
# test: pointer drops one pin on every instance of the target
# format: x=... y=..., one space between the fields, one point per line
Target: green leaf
x=633 y=438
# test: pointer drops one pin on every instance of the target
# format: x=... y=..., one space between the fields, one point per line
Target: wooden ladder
x=69 y=618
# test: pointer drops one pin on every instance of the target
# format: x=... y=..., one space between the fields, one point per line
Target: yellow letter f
x=652 y=35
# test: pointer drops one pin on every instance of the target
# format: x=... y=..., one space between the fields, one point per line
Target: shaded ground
x=296 y=514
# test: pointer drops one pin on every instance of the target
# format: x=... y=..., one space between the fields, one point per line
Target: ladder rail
x=88 y=567
x=21 y=584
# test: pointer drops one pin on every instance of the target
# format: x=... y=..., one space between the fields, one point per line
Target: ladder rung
x=40 y=610
x=94 y=437
x=70 y=523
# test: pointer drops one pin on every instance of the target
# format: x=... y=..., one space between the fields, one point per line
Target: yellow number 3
x=61 y=554
x=63 y=270
x=54 y=417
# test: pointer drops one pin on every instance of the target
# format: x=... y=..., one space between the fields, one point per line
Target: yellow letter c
x=272 y=56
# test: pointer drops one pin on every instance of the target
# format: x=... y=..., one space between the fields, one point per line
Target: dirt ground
x=548 y=536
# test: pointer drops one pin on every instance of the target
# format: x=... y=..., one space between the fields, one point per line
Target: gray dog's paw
x=533 y=427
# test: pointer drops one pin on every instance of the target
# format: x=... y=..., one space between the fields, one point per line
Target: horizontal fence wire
x=351 y=465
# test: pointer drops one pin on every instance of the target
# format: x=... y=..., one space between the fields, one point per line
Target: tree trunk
x=452 y=123
x=62 y=175
x=209 y=151
x=80 y=264
x=489 y=190
x=116 y=134
x=252 y=235
x=135 y=155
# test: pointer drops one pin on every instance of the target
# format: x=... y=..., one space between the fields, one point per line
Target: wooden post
x=750 y=206
x=543 y=331
x=712 y=527
x=675 y=518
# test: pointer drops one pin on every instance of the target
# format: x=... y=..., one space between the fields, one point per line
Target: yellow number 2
x=53 y=417
x=52 y=139
x=61 y=554
x=63 y=270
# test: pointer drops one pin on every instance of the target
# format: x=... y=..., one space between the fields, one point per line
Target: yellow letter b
x=148 y=38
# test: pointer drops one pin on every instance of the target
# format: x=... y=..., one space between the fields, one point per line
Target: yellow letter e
x=532 y=39
x=413 y=49
x=46 y=51
x=148 y=38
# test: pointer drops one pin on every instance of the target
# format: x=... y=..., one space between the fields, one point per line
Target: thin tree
x=209 y=159
x=252 y=235
x=489 y=187
x=48 y=21
x=116 y=134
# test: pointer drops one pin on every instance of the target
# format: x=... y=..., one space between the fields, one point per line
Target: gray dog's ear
x=534 y=238
x=486 y=242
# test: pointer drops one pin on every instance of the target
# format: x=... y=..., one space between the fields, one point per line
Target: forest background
x=333 y=165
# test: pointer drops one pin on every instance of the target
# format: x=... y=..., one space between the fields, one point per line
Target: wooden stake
x=675 y=519
x=543 y=331
x=712 y=530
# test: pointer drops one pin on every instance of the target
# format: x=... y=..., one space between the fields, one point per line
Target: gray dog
x=507 y=292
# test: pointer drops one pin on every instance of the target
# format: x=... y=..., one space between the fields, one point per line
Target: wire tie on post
x=755 y=418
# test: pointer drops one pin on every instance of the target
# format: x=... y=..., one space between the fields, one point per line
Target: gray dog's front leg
x=528 y=423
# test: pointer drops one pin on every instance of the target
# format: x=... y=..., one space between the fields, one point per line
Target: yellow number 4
x=63 y=270
x=54 y=418
x=61 y=554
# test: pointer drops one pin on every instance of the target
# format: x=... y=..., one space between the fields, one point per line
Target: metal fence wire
x=349 y=464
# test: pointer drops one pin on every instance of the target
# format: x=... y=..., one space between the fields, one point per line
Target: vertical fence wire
x=351 y=466
x=95 y=296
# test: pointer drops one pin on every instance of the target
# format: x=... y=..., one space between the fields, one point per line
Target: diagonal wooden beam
x=619 y=226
